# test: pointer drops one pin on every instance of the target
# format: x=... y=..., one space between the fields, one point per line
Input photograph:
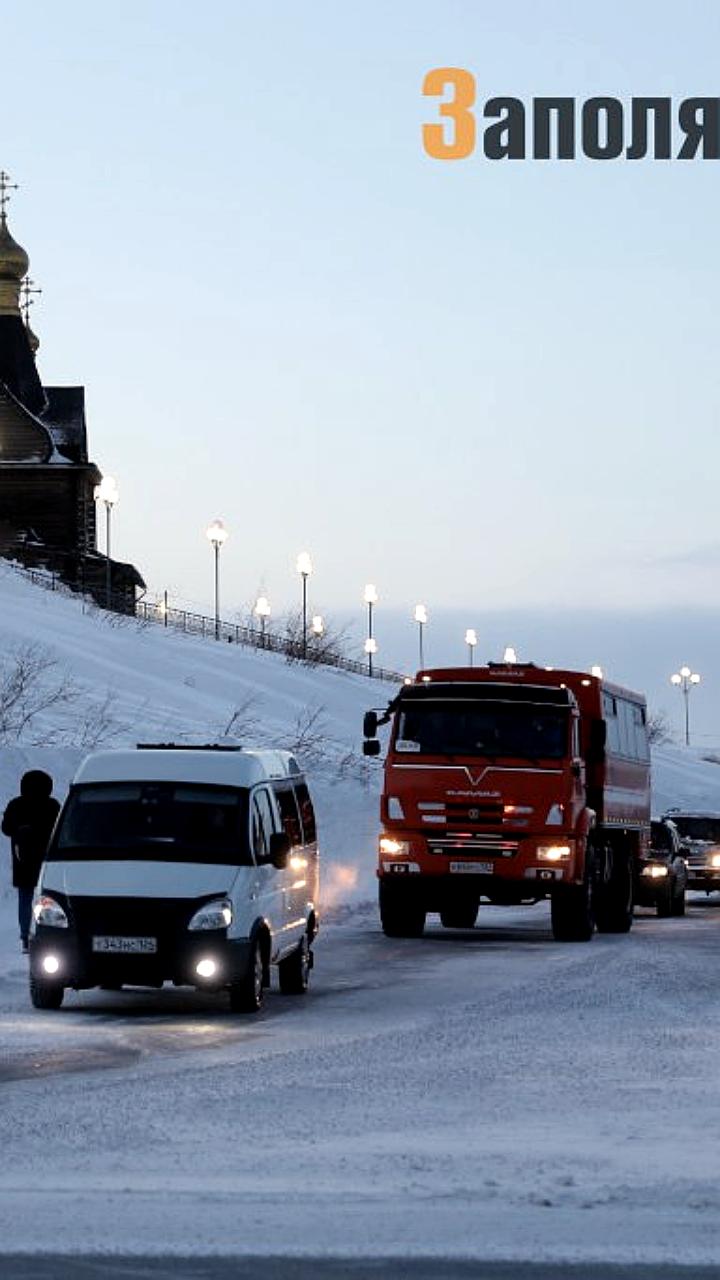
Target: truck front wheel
x=400 y=917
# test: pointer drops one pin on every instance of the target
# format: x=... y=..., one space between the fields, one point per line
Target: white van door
x=271 y=882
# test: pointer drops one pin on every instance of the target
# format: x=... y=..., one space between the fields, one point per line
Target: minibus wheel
x=46 y=995
x=246 y=996
x=294 y=971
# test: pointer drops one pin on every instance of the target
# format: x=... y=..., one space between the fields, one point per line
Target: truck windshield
x=154 y=821
x=698 y=828
x=493 y=729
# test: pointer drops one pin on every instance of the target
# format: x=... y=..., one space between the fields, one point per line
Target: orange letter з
x=458 y=109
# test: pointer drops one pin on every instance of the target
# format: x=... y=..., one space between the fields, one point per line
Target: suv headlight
x=213 y=915
x=49 y=912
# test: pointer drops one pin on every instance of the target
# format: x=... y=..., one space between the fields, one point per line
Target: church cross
x=27 y=288
x=5 y=186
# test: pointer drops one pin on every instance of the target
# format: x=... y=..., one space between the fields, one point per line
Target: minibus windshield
x=154 y=821
x=493 y=729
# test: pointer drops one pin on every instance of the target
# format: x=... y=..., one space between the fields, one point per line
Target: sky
x=488 y=386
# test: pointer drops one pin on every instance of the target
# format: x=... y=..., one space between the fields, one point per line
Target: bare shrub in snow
x=244 y=721
x=98 y=724
x=32 y=685
x=308 y=738
x=659 y=729
x=332 y=644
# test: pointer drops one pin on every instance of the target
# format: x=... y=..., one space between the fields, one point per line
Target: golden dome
x=14 y=262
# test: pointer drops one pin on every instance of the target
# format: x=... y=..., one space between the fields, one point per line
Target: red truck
x=512 y=783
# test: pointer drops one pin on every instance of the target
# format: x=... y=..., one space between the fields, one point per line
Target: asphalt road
x=262 y=1268
x=469 y=1094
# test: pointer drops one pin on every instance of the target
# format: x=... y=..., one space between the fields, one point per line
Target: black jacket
x=28 y=821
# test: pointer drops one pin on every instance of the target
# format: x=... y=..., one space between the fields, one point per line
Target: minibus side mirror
x=279 y=849
x=370 y=726
x=371 y=747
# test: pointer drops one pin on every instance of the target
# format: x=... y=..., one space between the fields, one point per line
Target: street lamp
x=217 y=534
x=262 y=611
x=421 y=619
x=510 y=656
x=370 y=600
x=684 y=679
x=371 y=650
x=471 y=641
x=107 y=492
x=304 y=568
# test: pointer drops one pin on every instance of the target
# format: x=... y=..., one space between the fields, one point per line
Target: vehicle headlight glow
x=388 y=844
x=554 y=852
x=50 y=964
x=213 y=915
x=49 y=912
x=715 y=860
x=206 y=968
x=655 y=871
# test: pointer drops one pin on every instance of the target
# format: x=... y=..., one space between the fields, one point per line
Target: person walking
x=28 y=821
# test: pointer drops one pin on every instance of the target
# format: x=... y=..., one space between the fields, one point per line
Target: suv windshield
x=483 y=729
x=154 y=821
x=698 y=828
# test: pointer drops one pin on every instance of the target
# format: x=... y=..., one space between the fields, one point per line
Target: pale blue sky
x=483 y=385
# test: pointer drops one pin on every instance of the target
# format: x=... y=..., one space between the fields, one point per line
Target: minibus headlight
x=49 y=912
x=715 y=860
x=655 y=871
x=213 y=915
x=389 y=845
x=554 y=852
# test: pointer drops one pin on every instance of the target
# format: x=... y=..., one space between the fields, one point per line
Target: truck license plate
x=472 y=868
x=124 y=946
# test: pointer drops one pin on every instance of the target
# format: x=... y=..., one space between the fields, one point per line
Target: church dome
x=14 y=262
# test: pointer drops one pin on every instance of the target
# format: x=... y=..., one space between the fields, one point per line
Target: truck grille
x=481 y=845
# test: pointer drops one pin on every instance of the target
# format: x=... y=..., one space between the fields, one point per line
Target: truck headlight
x=388 y=844
x=49 y=912
x=554 y=852
x=715 y=860
x=214 y=915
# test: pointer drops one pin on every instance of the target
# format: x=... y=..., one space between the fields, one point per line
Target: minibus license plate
x=123 y=946
x=472 y=868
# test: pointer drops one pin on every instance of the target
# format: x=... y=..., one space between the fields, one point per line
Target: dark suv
x=700 y=836
x=661 y=876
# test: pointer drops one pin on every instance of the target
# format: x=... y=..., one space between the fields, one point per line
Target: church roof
x=17 y=366
x=65 y=419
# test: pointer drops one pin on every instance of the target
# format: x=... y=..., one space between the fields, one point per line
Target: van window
x=153 y=822
x=307 y=813
x=289 y=815
x=263 y=824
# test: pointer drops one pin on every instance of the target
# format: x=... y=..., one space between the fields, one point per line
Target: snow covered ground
x=484 y=1094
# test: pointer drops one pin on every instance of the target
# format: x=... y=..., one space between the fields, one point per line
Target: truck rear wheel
x=571 y=913
x=613 y=898
x=400 y=917
x=462 y=917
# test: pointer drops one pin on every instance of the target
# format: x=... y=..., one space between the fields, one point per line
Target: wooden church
x=47 y=482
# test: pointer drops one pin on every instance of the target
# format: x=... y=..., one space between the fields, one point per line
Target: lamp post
x=262 y=611
x=371 y=650
x=107 y=492
x=371 y=599
x=217 y=534
x=304 y=568
x=421 y=619
x=684 y=679
x=471 y=641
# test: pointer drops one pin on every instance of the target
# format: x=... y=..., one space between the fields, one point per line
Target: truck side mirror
x=370 y=725
x=371 y=747
x=279 y=849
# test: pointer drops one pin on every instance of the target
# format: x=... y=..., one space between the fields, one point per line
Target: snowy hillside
x=103 y=680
